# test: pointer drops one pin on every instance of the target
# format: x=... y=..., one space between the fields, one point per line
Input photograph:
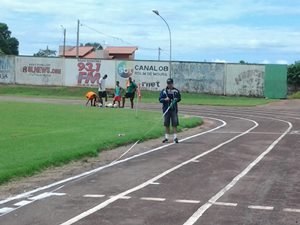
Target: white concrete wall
x=150 y=75
x=7 y=69
x=247 y=80
x=199 y=77
x=87 y=72
x=211 y=78
x=39 y=71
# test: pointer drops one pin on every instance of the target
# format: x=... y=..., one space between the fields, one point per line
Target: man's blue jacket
x=174 y=96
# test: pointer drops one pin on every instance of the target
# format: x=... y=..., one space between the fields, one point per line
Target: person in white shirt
x=101 y=90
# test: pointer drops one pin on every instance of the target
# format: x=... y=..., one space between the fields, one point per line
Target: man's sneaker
x=176 y=140
x=165 y=140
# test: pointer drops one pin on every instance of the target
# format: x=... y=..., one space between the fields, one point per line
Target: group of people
x=118 y=94
x=169 y=97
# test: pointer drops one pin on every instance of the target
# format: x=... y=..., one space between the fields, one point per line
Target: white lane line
x=6 y=210
x=193 y=219
x=23 y=203
x=237 y=132
x=88 y=173
x=225 y=204
x=153 y=199
x=46 y=195
x=123 y=197
x=187 y=201
x=155 y=183
x=109 y=201
x=291 y=210
x=260 y=207
x=196 y=161
x=94 y=196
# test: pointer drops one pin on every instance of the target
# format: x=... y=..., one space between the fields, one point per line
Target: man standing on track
x=102 y=90
x=169 y=98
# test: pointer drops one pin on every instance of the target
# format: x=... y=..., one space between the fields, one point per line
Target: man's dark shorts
x=171 y=117
x=129 y=95
x=102 y=94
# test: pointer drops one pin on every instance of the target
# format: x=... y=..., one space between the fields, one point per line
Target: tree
x=8 y=45
x=96 y=45
x=45 y=53
x=294 y=75
x=242 y=62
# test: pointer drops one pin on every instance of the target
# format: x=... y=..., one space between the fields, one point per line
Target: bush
x=294 y=75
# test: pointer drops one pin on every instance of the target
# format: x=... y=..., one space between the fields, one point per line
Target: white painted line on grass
x=260 y=207
x=193 y=219
x=6 y=210
x=109 y=201
x=225 y=204
x=94 y=196
x=88 y=173
x=187 y=201
x=123 y=197
x=153 y=199
x=291 y=210
x=22 y=203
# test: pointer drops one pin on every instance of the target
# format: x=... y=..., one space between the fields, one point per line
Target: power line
x=119 y=39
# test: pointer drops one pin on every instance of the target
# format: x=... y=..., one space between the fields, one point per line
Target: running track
x=244 y=170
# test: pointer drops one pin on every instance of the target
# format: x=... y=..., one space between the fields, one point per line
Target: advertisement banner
x=7 y=70
x=149 y=74
x=87 y=72
x=39 y=71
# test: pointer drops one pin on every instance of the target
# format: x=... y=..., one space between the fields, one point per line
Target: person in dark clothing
x=169 y=97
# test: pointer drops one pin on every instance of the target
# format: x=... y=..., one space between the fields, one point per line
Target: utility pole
x=64 y=46
x=77 y=44
x=159 y=49
x=65 y=33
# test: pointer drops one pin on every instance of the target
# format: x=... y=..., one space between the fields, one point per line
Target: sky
x=256 y=31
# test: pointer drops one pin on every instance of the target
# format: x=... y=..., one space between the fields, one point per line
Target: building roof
x=83 y=51
x=111 y=52
x=121 y=50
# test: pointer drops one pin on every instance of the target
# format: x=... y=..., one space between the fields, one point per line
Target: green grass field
x=36 y=136
x=147 y=96
x=295 y=95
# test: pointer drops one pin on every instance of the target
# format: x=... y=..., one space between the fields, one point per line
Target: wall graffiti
x=246 y=80
x=199 y=77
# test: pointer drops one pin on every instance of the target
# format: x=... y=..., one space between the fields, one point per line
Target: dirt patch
x=54 y=174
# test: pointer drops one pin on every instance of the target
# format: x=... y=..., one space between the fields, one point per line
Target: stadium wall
x=39 y=71
x=245 y=80
x=7 y=69
x=199 y=77
x=211 y=78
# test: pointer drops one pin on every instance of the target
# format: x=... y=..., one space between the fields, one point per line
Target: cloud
x=200 y=29
x=219 y=60
x=282 y=61
x=265 y=61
